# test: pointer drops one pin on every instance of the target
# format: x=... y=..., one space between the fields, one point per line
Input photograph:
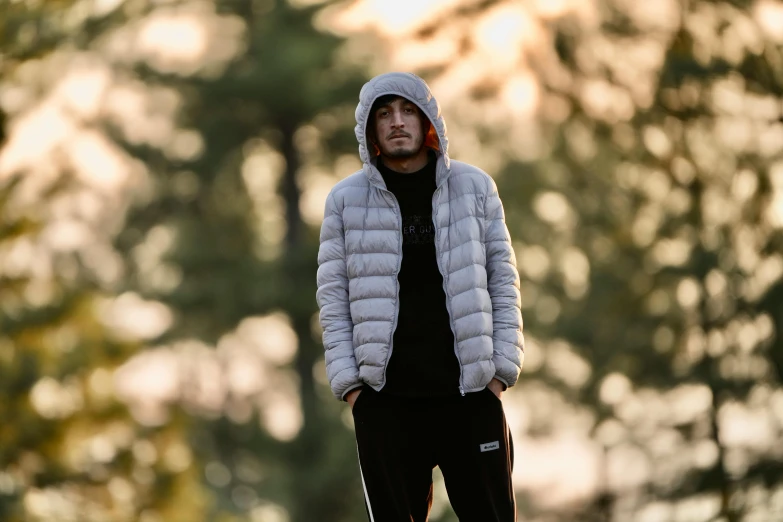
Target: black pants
x=401 y=441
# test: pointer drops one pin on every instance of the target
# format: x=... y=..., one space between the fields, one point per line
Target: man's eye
x=409 y=109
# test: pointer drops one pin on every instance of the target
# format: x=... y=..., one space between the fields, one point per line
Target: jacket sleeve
x=332 y=297
x=503 y=287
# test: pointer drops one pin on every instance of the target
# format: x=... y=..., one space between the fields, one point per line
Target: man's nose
x=397 y=120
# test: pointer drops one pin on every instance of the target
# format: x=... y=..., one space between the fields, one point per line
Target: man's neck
x=407 y=165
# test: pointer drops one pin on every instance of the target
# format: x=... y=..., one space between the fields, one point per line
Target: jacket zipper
x=445 y=289
x=398 y=211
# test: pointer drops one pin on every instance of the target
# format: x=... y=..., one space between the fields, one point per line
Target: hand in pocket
x=352 y=396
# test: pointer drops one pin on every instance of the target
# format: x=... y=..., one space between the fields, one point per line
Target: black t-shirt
x=423 y=362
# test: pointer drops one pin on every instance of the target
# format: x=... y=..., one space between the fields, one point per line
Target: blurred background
x=163 y=169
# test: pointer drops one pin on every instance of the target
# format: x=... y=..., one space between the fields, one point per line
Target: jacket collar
x=374 y=175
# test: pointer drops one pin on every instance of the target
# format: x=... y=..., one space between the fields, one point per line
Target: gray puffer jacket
x=361 y=252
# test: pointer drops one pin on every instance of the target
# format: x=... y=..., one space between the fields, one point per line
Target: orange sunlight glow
x=392 y=19
x=173 y=38
x=552 y=8
x=769 y=15
x=522 y=94
x=34 y=136
x=55 y=133
x=244 y=371
x=82 y=90
x=502 y=34
x=492 y=51
x=775 y=209
x=190 y=38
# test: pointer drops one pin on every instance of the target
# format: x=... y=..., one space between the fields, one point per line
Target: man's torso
x=423 y=360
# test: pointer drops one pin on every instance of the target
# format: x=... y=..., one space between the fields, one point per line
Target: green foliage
x=658 y=211
x=645 y=229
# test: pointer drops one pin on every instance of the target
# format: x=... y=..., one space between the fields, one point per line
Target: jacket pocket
x=492 y=395
x=359 y=402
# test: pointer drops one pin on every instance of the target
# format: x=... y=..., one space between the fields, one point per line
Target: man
x=420 y=308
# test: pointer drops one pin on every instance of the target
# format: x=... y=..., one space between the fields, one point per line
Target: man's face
x=399 y=129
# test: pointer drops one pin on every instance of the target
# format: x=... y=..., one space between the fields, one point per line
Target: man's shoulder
x=467 y=174
x=356 y=181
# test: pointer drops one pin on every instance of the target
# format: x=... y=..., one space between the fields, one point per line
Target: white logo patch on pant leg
x=489 y=446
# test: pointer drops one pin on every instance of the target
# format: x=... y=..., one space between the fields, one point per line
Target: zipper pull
x=461 y=391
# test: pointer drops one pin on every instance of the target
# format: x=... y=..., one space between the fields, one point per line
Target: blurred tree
x=221 y=269
x=679 y=299
x=68 y=449
x=649 y=238
x=643 y=197
x=638 y=155
x=282 y=106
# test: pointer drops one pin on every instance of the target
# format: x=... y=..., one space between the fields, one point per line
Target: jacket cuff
x=350 y=389
x=501 y=379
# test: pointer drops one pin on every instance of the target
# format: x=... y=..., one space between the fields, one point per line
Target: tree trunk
x=290 y=190
x=309 y=453
x=297 y=300
x=2 y=127
x=704 y=263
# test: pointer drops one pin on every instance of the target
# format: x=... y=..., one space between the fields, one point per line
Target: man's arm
x=332 y=296
x=503 y=287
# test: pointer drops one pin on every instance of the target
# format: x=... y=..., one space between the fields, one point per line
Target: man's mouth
x=397 y=136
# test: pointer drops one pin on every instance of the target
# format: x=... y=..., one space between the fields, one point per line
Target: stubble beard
x=403 y=152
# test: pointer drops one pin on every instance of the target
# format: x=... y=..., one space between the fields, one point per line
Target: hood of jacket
x=412 y=88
